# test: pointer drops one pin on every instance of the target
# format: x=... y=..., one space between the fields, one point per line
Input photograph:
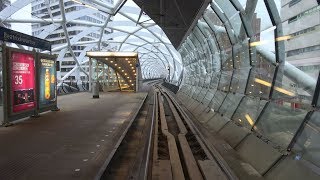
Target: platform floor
x=70 y=144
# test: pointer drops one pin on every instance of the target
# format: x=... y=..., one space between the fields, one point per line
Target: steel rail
x=217 y=157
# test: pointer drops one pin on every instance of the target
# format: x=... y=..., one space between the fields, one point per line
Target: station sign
x=22 y=73
x=22 y=81
x=9 y=35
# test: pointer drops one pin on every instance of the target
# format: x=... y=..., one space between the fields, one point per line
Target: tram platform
x=70 y=144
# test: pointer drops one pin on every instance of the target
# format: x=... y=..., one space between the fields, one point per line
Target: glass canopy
x=254 y=63
x=77 y=26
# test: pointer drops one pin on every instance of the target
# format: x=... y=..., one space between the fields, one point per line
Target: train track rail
x=165 y=146
x=180 y=152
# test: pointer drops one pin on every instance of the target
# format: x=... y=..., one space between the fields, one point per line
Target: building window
x=83 y=78
x=71 y=78
x=309 y=68
x=306 y=13
x=293 y=2
x=66 y=69
x=68 y=63
x=304 y=31
x=303 y=50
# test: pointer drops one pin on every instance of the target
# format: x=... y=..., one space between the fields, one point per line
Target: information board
x=47 y=82
x=22 y=72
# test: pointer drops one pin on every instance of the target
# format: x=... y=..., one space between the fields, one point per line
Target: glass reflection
x=308 y=143
x=268 y=65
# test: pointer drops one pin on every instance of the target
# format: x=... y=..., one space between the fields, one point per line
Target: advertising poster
x=22 y=81
x=47 y=82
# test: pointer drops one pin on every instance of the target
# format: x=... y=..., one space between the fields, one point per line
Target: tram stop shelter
x=114 y=71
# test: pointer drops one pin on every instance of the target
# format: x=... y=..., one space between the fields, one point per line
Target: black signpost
x=9 y=35
x=29 y=77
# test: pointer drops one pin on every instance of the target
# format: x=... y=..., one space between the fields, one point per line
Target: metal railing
x=72 y=86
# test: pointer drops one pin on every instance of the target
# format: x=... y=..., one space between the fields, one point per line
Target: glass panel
x=198 y=88
x=215 y=80
x=203 y=92
x=262 y=43
x=248 y=111
x=239 y=80
x=208 y=97
x=230 y=104
x=279 y=122
x=225 y=79
x=295 y=92
x=233 y=17
x=260 y=81
x=217 y=100
x=212 y=44
x=221 y=36
x=228 y=64
x=241 y=59
x=308 y=143
x=204 y=89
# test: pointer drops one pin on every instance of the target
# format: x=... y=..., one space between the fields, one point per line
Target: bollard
x=95 y=90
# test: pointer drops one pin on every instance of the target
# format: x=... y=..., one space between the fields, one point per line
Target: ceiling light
x=111 y=54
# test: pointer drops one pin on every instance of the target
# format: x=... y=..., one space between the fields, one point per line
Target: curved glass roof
x=253 y=63
x=104 y=25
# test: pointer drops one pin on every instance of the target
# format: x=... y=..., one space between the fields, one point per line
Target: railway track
x=179 y=152
x=165 y=146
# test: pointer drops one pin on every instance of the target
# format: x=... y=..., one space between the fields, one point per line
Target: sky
x=21 y=14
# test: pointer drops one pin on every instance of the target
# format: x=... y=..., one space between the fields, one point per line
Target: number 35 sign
x=22 y=81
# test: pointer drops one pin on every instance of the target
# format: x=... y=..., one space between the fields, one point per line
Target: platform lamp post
x=93 y=84
x=137 y=76
x=90 y=74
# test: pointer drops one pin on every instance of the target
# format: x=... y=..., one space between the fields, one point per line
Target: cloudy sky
x=22 y=14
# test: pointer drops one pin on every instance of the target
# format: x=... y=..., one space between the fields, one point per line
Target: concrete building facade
x=301 y=23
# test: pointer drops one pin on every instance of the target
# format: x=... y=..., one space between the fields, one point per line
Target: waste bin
x=95 y=90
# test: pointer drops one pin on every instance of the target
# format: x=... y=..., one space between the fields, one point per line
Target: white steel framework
x=128 y=33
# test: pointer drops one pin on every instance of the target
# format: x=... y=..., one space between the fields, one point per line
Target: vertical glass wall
x=256 y=64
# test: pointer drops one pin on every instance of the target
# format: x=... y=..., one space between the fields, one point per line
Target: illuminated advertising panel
x=22 y=66
x=47 y=82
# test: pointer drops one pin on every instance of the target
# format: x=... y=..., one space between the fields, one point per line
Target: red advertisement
x=22 y=81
